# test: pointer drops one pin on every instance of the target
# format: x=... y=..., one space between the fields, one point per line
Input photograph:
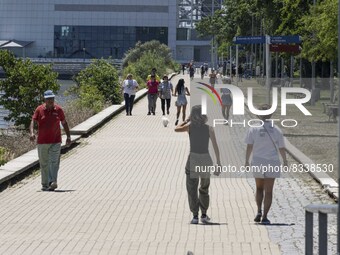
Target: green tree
x=290 y=16
x=102 y=75
x=24 y=86
x=161 y=50
x=320 y=36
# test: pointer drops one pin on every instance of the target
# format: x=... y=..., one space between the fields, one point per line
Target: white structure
x=103 y=28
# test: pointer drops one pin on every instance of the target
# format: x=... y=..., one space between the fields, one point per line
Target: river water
x=60 y=99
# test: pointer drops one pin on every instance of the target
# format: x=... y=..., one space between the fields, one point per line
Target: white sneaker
x=205 y=220
x=194 y=221
x=53 y=186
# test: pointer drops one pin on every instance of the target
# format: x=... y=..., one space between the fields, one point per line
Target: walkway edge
x=100 y=118
x=26 y=162
x=327 y=183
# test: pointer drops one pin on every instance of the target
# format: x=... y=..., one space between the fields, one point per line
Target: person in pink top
x=152 y=86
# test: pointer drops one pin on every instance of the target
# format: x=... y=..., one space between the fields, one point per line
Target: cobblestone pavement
x=122 y=191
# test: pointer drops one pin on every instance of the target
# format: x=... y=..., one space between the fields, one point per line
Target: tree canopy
x=24 y=86
x=316 y=24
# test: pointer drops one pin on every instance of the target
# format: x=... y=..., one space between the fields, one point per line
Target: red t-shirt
x=152 y=87
x=49 y=123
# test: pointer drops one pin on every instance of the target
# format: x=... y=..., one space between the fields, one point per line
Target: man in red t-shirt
x=48 y=116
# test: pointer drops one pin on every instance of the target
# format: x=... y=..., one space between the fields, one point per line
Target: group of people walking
x=265 y=144
x=157 y=88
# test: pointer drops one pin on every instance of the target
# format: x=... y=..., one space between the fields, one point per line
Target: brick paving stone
x=122 y=191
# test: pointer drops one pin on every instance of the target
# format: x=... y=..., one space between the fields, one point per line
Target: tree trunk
x=331 y=82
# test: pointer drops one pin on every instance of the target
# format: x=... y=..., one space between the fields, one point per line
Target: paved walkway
x=122 y=191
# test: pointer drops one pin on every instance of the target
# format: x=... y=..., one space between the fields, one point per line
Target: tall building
x=102 y=28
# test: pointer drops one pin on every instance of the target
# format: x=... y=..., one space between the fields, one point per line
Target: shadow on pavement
x=64 y=190
x=277 y=224
x=212 y=224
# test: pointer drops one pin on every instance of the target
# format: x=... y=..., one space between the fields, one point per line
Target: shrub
x=162 y=51
x=3 y=156
x=104 y=77
x=91 y=98
x=76 y=114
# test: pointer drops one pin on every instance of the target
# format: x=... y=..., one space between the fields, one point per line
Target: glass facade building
x=102 y=41
x=105 y=28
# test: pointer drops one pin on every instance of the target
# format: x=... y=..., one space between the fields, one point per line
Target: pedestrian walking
x=233 y=72
x=48 y=117
x=212 y=78
x=257 y=71
x=152 y=86
x=129 y=87
x=206 y=68
x=227 y=102
x=240 y=73
x=199 y=135
x=153 y=73
x=165 y=92
x=265 y=143
x=191 y=72
x=202 y=69
x=181 y=101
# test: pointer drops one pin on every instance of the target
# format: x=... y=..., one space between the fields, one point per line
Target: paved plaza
x=122 y=191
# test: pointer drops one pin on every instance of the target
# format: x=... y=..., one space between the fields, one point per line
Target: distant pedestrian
x=212 y=78
x=48 y=116
x=227 y=101
x=224 y=68
x=191 y=72
x=202 y=69
x=233 y=72
x=165 y=92
x=257 y=71
x=240 y=73
x=199 y=135
x=265 y=143
x=181 y=101
x=206 y=68
x=154 y=73
x=152 y=86
x=129 y=86
x=183 y=68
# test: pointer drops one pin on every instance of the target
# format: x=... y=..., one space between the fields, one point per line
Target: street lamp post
x=84 y=54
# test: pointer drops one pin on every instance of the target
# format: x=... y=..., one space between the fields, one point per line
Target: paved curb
x=91 y=124
x=26 y=162
x=327 y=183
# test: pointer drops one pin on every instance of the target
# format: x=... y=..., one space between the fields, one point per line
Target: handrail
x=323 y=210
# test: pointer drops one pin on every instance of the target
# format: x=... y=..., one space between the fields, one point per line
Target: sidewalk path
x=122 y=191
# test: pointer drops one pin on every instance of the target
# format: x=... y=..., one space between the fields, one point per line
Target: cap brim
x=46 y=97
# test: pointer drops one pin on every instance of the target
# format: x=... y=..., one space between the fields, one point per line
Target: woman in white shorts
x=181 y=102
x=265 y=143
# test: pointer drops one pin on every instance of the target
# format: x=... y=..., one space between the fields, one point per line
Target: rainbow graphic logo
x=210 y=92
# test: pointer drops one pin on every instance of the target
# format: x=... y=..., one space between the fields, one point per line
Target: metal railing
x=323 y=211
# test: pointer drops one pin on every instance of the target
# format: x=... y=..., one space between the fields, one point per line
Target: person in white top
x=129 y=87
x=265 y=143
